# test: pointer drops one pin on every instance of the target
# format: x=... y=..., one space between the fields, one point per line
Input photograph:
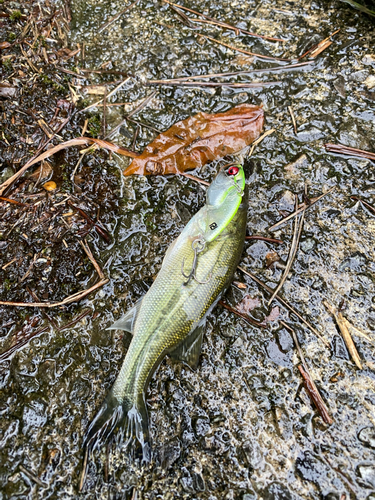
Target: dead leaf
x=271 y=258
x=248 y=304
x=4 y=45
x=273 y=315
x=199 y=139
x=41 y=173
x=7 y=91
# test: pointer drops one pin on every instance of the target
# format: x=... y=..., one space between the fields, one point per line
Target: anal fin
x=127 y=321
x=189 y=350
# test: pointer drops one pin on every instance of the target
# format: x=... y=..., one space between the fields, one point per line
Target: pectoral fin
x=189 y=350
x=127 y=321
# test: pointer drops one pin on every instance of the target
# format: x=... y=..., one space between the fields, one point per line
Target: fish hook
x=198 y=245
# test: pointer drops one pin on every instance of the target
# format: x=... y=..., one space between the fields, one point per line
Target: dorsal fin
x=189 y=350
x=127 y=321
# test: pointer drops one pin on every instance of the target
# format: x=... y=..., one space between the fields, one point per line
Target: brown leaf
x=273 y=315
x=199 y=139
x=4 y=45
x=271 y=258
x=248 y=304
x=42 y=172
x=7 y=90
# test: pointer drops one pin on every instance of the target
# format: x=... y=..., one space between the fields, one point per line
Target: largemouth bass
x=170 y=318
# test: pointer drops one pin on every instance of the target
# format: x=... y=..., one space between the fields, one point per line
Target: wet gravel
x=242 y=425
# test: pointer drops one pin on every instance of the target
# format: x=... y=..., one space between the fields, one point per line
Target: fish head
x=230 y=181
x=224 y=197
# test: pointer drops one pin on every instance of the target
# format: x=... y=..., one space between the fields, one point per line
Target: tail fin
x=128 y=420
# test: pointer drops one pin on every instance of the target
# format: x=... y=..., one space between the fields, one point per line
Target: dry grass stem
x=261 y=56
x=89 y=254
x=293 y=119
x=358 y=332
x=243 y=316
x=68 y=300
x=342 y=324
x=234 y=73
x=346 y=150
x=298 y=225
x=309 y=384
x=260 y=139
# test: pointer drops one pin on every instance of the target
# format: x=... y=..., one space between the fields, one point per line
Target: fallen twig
x=260 y=139
x=264 y=238
x=14 y=202
x=292 y=253
x=68 y=300
x=244 y=85
x=243 y=316
x=89 y=254
x=309 y=384
x=196 y=179
x=222 y=24
x=301 y=209
x=346 y=150
x=313 y=392
x=108 y=95
x=293 y=119
x=73 y=142
x=33 y=477
x=318 y=48
x=358 y=332
x=234 y=73
x=284 y=303
x=341 y=323
x=367 y=205
x=25 y=340
x=261 y=56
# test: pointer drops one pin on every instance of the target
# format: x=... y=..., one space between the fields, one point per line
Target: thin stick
x=136 y=110
x=114 y=18
x=8 y=200
x=89 y=254
x=244 y=85
x=235 y=73
x=346 y=150
x=292 y=253
x=25 y=340
x=223 y=24
x=318 y=48
x=340 y=320
x=293 y=119
x=264 y=238
x=260 y=139
x=302 y=209
x=367 y=205
x=196 y=179
x=243 y=316
x=33 y=477
x=73 y=142
x=68 y=300
x=285 y=304
x=314 y=395
x=261 y=56
x=358 y=332
x=108 y=95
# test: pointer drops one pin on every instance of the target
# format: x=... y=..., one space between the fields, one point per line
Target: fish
x=170 y=319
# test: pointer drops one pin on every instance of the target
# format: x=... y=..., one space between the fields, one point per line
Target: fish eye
x=233 y=171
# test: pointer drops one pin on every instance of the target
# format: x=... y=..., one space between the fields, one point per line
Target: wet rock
x=367 y=436
x=339 y=85
x=339 y=348
x=253 y=454
x=169 y=453
x=34 y=417
x=276 y=355
x=277 y=491
x=370 y=82
x=367 y=473
x=311 y=469
x=310 y=134
x=359 y=76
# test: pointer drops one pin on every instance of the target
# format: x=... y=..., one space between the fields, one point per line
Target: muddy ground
x=242 y=426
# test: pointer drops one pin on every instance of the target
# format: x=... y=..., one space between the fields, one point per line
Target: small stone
x=367 y=436
x=370 y=82
x=367 y=473
x=50 y=186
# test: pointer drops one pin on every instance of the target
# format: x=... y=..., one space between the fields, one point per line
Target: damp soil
x=242 y=425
